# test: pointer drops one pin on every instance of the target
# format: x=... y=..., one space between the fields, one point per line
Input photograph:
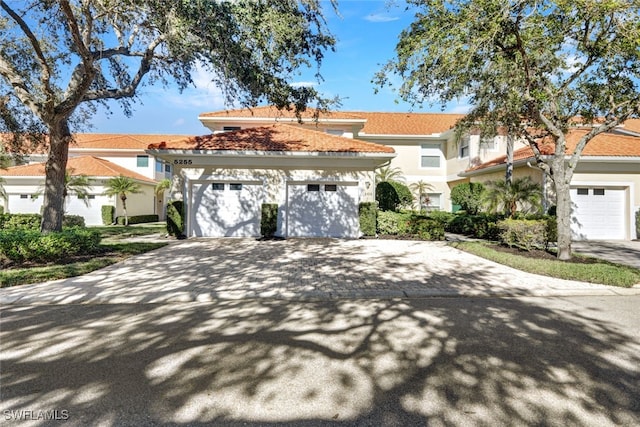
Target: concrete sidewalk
x=230 y=269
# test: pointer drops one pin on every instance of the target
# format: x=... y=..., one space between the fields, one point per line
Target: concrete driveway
x=619 y=251
x=227 y=269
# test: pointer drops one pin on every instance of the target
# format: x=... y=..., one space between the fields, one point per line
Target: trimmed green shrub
x=444 y=218
x=69 y=221
x=392 y=195
x=481 y=226
x=525 y=234
x=29 y=245
x=21 y=221
x=108 y=214
x=1 y=210
x=409 y=225
x=367 y=212
x=468 y=196
x=137 y=219
x=269 y=220
x=175 y=218
x=638 y=224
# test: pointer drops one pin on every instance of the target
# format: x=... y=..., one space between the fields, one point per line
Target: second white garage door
x=598 y=213
x=226 y=209
x=323 y=210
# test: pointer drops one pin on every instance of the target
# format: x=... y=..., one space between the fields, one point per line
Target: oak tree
x=59 y=59
x=528 y=66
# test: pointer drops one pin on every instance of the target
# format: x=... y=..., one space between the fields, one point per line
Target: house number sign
x=182 y=161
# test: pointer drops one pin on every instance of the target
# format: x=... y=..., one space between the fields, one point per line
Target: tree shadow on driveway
x=460 y=361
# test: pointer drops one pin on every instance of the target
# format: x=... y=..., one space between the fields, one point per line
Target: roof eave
x=283 y=154
x=279 y=119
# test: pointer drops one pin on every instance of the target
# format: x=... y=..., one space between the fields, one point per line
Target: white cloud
x=204 y=95
x=380 y=17
x=179 y=122
x=304 y=84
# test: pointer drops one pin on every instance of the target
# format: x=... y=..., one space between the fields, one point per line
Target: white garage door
x=91 y=211
x=323 y=210
x=226 y=209
x=24 y=203
x=598 y=213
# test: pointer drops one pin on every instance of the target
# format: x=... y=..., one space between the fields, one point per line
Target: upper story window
x=142 y=161
x=336 y=132
x=159 y=166
x=430 y=155
x=489 y=143
x=463 y=150
x=230 y=128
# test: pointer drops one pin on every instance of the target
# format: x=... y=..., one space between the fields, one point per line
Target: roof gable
x=603 y=145
x=277 y=137
x=83 y=165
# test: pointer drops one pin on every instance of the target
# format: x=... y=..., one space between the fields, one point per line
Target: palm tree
x=162 y=185
x=122 y=186
x=508 y=197
x=387 y=173
x=421 y=189
x=77 y=184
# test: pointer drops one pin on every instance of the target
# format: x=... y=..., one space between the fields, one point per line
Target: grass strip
x=112 y=253
x=601 y=272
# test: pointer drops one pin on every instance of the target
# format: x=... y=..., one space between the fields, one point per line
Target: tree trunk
x=562 y=179
x=124 y=209
x=53 y=205
x=509 y=161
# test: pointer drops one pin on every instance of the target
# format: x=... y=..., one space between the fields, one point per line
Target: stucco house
x=24 y=186
x=317 y=179
x=100 y=157
x=605 y=188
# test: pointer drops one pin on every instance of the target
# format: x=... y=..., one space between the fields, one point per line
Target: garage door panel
x=332 y=211
x=91 y=212
x=226 y=212
x=598 y=213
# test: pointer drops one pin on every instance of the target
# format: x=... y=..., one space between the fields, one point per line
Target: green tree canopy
x=59 y=59
x=469 y=195
x=530 y=67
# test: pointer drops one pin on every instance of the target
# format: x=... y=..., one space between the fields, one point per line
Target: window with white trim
x=489 y=143
x=336 y=132
x=230 y=128
x=433 y=202
x=142 y=161
x=430 y=155
x=463 y=149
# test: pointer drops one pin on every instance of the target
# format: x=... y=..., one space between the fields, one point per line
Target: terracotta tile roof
x=603 y=145
x=111 y=141
x=269 y=111
x=633 y=125
x=83 y=165
x=377 y=123
x=119 y=141
x=408 y=123
x=276 y=137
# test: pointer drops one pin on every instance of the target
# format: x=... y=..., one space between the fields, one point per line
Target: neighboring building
x=605 y=189
x=318 y=180
x=103 y=156
x=25 y=185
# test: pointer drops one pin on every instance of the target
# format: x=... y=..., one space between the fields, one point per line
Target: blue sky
x=367 y=32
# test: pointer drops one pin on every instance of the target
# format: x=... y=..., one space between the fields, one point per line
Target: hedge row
x=32 y=221
x=30 y=245
x=138 y=219
x=410 y=225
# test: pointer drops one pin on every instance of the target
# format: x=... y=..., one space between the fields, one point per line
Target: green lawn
x=113 y=249
x=594 y=271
